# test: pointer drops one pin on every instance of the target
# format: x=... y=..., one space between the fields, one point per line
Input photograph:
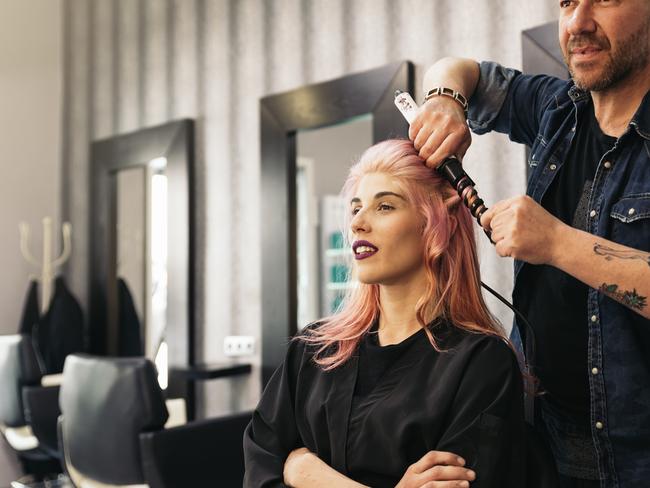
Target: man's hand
x=440 y=131
x=522 y=229
x=437 y=469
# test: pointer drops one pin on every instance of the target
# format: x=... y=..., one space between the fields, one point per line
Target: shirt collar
x=576 y=94
x=641 y=119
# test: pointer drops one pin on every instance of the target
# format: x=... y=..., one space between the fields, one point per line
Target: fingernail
x=461 y=461
x=464 y=484
x=471 y=474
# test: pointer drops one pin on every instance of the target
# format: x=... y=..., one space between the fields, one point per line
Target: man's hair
x=453 y=279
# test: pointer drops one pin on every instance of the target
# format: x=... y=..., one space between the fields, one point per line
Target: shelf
x=210 y=371
x=340 y=286
x=336 y=253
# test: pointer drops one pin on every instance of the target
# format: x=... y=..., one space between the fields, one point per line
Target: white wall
x=30 y=138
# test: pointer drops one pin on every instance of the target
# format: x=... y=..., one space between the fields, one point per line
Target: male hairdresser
x=581 y=236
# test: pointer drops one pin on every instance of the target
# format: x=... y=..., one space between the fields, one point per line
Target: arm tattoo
x=611 y=253
x=628 y=298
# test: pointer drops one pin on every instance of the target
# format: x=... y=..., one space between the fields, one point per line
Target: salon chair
x=114 y=431
x=28 y=410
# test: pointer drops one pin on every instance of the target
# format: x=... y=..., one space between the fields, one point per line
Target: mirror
x=323 y=158
x=130 y=230
x=141 y=261
x=284 y=118
x=141 y=264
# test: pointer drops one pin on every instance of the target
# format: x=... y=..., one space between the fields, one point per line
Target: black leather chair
x=28 y=411
x=41 y=413
x=112 y=431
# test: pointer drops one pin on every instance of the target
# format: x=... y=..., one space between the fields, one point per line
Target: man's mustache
x=584 y=40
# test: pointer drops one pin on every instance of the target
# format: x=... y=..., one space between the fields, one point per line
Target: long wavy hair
x=453 y=280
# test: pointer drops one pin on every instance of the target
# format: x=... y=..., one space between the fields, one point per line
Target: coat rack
x=48 y=264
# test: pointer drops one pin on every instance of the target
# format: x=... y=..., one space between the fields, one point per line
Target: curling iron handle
x=453 y=171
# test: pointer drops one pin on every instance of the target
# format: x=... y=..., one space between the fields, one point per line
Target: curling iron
x=450 y=169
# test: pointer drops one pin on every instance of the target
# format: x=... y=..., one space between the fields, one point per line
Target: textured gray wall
x=130 y=64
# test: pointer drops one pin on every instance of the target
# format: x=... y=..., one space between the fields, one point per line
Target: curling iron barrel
x=454 y=173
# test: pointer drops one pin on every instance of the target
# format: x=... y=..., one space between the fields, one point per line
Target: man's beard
x=632 y=55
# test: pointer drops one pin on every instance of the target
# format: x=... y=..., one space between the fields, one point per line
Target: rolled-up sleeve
x=507 y=101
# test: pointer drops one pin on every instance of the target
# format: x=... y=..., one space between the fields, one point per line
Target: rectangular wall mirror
x=300 y=272
x=323 y=158
x=141 y=270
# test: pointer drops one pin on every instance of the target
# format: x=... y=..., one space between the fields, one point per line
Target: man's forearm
x=456 y=73
x=620 y=272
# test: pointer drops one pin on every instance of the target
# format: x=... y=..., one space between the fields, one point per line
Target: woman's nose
x=359 y=222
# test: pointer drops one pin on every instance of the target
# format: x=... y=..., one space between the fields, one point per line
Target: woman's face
x=386 y=232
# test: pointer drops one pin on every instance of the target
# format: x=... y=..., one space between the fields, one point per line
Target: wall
x=132 y=64
x=30 y=137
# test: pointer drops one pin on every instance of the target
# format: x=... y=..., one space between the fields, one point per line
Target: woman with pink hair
x=412 y=382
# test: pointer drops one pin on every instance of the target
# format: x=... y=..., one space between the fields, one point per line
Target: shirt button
x=631 y=211
x=593 y=213
x=594 y=318
x=599 y=425
x=607 y=164
x=594 y=371
x=553 y=167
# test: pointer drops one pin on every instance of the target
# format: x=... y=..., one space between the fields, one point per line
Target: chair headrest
x=106 y=403
x=18 y=368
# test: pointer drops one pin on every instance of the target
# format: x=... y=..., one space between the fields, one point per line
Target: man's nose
x=581 y=20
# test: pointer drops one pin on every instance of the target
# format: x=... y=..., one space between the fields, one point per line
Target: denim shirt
x=541 y=112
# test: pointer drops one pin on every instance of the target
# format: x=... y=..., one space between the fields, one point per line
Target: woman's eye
x=385 y=206
x=355 y=210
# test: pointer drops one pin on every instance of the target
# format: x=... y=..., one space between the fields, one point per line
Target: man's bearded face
x=604 y=47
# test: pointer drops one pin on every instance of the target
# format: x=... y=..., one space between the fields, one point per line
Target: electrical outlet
x=239 y=345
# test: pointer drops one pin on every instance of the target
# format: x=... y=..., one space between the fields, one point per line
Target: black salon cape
x=467 y=400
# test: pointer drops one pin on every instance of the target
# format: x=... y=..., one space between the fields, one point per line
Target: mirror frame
x=282 y=115
x=175 y=142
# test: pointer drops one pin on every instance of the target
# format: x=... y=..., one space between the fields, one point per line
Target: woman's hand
x=294 y=465
x=437 y=469
x=303 y=468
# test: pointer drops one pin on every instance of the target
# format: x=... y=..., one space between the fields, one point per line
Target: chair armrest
x=52 y=380
x=42 y=410
x=177 y=409
x=203 y=453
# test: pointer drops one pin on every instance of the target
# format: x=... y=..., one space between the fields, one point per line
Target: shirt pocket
x=631 y=221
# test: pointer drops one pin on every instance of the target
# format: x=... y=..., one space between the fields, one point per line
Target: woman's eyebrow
x=379 y=195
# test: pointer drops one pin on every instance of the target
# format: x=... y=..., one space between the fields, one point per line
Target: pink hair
x=452 y=269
